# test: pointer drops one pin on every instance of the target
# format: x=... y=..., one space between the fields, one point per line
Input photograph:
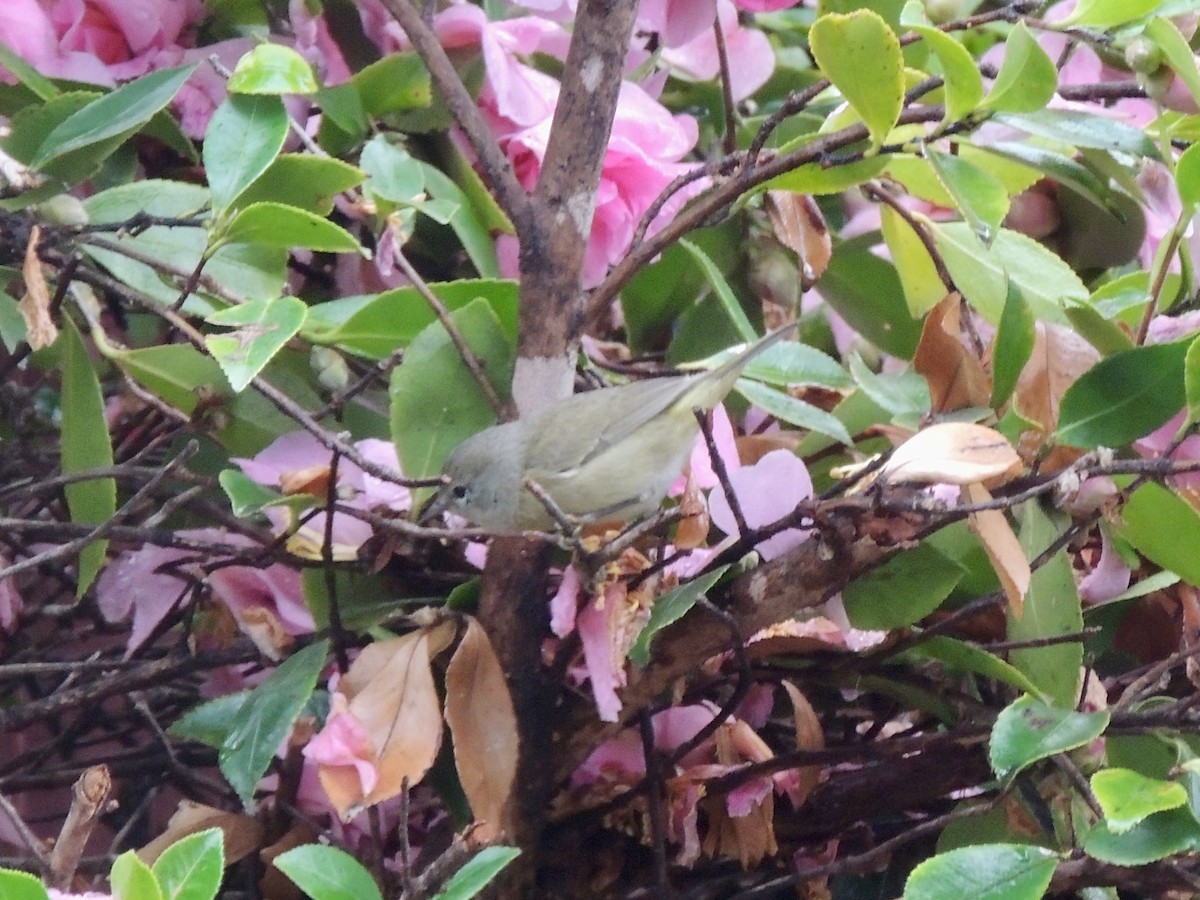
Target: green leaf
x=395 y=83
x=866 y=292
x=85 y=445
x=1027 y=78
x=1081 y=129
x=670 y=608
x=791 y=363
x=268 y=224
x=903 y=394
x=860 y=54
x=1109 y=13
x=1191 y=380
x=471 y=879
x=1124 y=397
x=125 y=109
x=793 y=411
x=304 y=181
x=1187 y=175
x=1177 y=51
x=1156 y=837
x=20 y=885
x=173 y=372
x=131 y=879
x=729 y=302
x=963 y=85
x=43 y=88
x=1127 y=797
x=965 y=657
x=1051 y=609
x=1063 y=169
x=246 y=496
x=905 y=589
x=192 y=867
x=1104 y=334
x=984 y=872
x=394 y=174
x=1164 y=528
x=1028 y=730
x=272 y=69
x=243 y=138
x=376 y=325
x=210 y=722
x=327 y=873
x=977 y=193
x=468 y=221
x=819 y=178
x=32 y=125
x=436 y=403
x=1013 y=345
x=923 y=286
x=983 y=275
x=264 y=719
x=262 y=328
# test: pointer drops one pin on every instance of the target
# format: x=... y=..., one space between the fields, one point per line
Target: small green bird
x=605 y=454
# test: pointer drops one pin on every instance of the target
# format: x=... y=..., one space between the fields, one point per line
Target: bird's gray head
x=481 y=480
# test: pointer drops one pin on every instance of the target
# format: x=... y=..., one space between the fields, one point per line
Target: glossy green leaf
x=394 y=174
x=436 y=403
x=866 y=292
x=261 y=328
x=860 y=54
x=243 y=138
x=1177 y=51
x=983 y=274
x=266 y=716
x=1051 y=609
x=1164 y=528
x=173 y=372
x=327 y=873
x=470 y=222
x=127 y=108
x=43 y=88
x=796 y=412
x=469 y=881
x=304 y=181
x=977 y=194
x=1124 y=397
x=398 y=81
x=1015 y=336
x=791 y=363
x=670 y=608
x=903 y=394
x=376 y=325
x=1187 y=175
x=1127 y=797
x=85 y=445
x=131 y=879
x=1081 y=129
x=1063 y=169
x=817 y=178
x=246 y=496
x=192 y=867
x=210 y=722
x=1156 y=837
x=923 y=286
x=272 y=69
x=1104 y=334
x=964 y=657
x=963 y=85
x=30 y=127
x=21 y=885
x=268 y=224
x=1027 y=78
x=904 y=590
x=729 y=302
x=1028 y=730
x=1109 y=13
x=984 y=872
x=1191 y=380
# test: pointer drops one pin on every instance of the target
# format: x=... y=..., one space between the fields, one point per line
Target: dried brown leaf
x=1059 y=357
x=243 y=835
x=798 y=224
x=1002 y=547
x=480 y=714
x=809 y=736
x=749 y=838
x=35 y=305
x=312 y=480
x=274 y=884
x=694 y=522
x=263 y=627
x=953 y=453
x=955 y=374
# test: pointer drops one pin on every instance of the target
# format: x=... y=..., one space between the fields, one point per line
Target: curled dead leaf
x=242 y=833
x=809 y=736
x=1002 y=548
x=694 y=522
x=953 y=453
x=35 y=305
x=312 y=480
x=480 y=714
x=954 y=372
x=799 y=224
x=1058 y=358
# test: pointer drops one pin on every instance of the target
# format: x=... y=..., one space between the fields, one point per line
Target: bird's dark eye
x=459 y=491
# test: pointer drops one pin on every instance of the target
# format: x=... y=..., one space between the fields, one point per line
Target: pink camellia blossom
x=608 y=626
x=344 y=743
x=751 y=58
x=766 y=491
x=700 y=463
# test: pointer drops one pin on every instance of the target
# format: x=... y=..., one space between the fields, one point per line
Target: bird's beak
x=435 y=505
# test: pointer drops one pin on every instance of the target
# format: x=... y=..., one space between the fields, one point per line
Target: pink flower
x=608 y=626
x=751 y=58
x=344 y=742
x=700 y=464
x=766 y=491
x=1109 y=578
